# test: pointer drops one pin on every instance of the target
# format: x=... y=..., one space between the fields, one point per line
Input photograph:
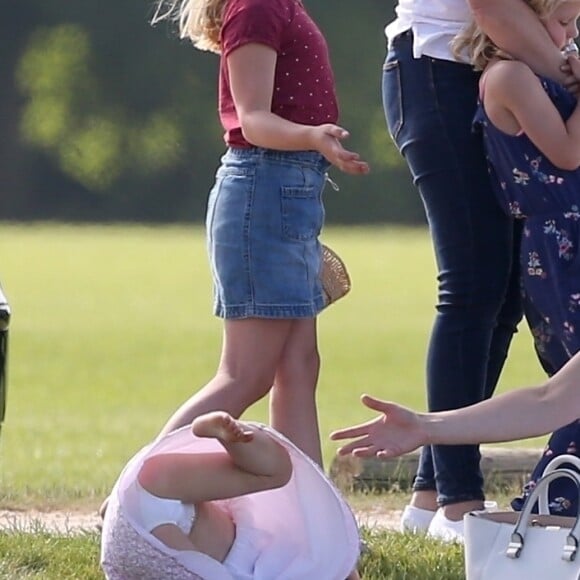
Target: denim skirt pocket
x=302 y=211
x=393 y=97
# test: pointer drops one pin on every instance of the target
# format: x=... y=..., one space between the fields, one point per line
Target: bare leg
x=254 y=461
x=293 y=409
x=426 y=500
x=249 y=447
x=456 y=511
x=251 y=352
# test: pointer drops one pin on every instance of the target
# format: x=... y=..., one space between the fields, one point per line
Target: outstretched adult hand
x=396 y=431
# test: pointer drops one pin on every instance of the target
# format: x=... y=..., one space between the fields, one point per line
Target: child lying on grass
x=223 y=500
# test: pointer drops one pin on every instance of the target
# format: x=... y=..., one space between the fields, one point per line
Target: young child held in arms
x=187 y=506
x=531 y=131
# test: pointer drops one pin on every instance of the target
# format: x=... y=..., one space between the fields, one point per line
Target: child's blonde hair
x=198 y=20
x=479 y=47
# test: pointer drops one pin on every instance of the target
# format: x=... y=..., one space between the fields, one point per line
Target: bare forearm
x=265 y=129
x=515 y=28
x=495 y=420
x=515 y=415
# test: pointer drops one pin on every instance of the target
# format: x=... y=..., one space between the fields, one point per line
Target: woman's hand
x=396 y=431
x=327 y=140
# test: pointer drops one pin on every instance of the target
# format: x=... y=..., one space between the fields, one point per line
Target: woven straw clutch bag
x=334 y=276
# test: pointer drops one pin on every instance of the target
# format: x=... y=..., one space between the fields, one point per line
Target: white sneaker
x=449 y=530
x=415 y=520
x=445 y=529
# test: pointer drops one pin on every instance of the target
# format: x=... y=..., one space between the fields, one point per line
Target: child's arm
x=512 y=91
x=515 y=415
x=251 y=68
x=254 y=462
x=516 y=28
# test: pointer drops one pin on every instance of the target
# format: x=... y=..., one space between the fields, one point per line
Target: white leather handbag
x=563 y=459
x=521 y=545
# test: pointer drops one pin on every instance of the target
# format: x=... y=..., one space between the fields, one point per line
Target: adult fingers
x=354 y=431
x=376 y=404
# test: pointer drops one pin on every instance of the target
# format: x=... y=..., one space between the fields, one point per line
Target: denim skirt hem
x=281 y=311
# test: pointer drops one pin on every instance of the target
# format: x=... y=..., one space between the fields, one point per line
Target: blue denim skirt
x=264 y=216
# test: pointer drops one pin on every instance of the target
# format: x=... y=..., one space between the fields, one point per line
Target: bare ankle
x=456 y=511
x=426 y=500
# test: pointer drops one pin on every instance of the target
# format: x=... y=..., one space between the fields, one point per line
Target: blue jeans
x=429 y=106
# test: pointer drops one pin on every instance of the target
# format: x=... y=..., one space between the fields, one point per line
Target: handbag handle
x=543 y=501
x=516 y=544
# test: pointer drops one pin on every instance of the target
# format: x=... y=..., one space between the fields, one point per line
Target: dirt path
x=64 y=522
x=57 y=521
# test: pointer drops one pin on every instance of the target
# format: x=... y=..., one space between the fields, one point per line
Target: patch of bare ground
x=71 y=522
x=58 y=522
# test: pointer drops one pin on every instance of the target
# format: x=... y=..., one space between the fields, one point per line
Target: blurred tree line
x=103 y=117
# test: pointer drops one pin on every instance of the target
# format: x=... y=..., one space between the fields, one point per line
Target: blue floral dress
x=529 y=187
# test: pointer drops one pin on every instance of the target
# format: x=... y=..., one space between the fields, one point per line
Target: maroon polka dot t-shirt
x=304 y=89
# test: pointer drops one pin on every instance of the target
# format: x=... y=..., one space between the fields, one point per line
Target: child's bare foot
x=222 y=426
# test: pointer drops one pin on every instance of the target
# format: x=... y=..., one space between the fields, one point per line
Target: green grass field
x=391 y=556
x=112 y=329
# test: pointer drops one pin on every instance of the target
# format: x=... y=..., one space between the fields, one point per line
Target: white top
x=152 y=511
x=434 y=24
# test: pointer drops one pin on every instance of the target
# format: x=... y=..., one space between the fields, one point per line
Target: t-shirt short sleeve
x=253 y=21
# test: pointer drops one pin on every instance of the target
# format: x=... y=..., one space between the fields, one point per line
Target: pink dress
x=304 y=530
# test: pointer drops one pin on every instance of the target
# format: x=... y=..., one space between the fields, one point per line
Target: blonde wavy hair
x=478 y=46
x=198 y=20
